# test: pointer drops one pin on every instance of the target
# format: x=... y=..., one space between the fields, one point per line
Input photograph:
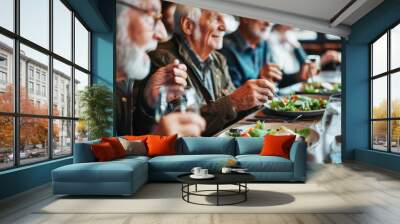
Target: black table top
x=220 y=178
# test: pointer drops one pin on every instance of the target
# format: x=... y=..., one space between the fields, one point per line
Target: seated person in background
x=168 y=11
x=290 y=56
x=249 y=56
x=197 y=36
x=138 y=31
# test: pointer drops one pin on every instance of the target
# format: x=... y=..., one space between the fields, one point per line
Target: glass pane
x=81 y=131
x=379 y=97
x=62 y=138
x=7 y=14
x=81 y=45
x=395 y=136
x=81 y=81
x=62 y=89
x=379 y=55
x=395 y=47
x=379 y=135
x=62 y=29
x=34 y=92
x=35 y=21
x=33 y=139
x=6 y=142
x=395 y=94
x=6 y=74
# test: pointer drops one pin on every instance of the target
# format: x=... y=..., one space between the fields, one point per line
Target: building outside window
x=385 y=94
x=57 y=126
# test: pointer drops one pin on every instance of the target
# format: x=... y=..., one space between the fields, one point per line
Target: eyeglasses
x=152 y=13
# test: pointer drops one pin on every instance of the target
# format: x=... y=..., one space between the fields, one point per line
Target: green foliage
x=96 y=103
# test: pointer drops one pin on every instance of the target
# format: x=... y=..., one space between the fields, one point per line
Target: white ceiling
x=315 y=15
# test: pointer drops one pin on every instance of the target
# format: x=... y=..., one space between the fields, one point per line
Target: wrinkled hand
x=330 y=56
x=307 y=71
x=173 y=76
x=271 y=72
x=251 y=94
x=183 y=124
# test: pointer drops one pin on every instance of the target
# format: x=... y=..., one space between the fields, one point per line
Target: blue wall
x=99 y=15
x=355 y=75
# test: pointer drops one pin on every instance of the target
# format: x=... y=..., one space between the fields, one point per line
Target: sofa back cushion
x=249 y=145
x=206 y=145
x=83 y=152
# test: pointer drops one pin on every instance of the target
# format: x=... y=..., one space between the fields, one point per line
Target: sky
x=35 y=27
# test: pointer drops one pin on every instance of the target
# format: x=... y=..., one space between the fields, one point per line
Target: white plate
x=208 y=176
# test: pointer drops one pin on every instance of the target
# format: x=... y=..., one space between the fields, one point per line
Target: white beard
x=132 y=59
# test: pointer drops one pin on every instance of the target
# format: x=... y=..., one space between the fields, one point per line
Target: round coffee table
x=238 y=179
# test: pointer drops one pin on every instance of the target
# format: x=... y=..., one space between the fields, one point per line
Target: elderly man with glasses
x=139 y=28
x=199 y=33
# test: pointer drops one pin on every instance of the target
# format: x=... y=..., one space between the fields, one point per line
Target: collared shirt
x=244 y=62
x=203 y=68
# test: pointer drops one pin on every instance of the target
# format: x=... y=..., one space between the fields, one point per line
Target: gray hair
x=181 y=11
x=121 y=9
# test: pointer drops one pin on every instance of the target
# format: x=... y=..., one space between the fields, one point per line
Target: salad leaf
x=304 y=132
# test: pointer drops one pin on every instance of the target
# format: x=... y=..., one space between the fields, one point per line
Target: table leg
x=196 y=187
x=217 y=194
x=245 y=193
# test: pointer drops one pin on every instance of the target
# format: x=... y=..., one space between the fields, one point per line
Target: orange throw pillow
x=277 y=145
x=116 y=145
x=161 y=145
x=135 y=138
x=103 y=152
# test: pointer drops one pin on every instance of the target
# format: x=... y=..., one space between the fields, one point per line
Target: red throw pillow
x=277 y=145
x=103 y=152
x=116 y=145
x=161 y=145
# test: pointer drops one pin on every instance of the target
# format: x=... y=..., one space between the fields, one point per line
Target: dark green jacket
x=217 y=112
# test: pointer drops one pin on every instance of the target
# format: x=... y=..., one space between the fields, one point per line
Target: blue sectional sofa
x=125 y=176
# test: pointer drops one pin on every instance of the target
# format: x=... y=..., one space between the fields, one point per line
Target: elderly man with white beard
x=199 y=33
x=138 y=30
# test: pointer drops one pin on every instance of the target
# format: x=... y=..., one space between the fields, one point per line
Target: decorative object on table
x=230 y=170
x=240 y=180
x=200 y=173
x=96 y=104
x=295 y=105
x=231 y=163
x=226 y=170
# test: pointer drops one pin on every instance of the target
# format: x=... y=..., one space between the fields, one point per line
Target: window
x=30 y=72
x=3 y=78
x=385 y=96
x=30 y=87
x=40 y=124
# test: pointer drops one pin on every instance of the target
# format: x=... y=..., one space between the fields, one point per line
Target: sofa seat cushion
x=123 y=170
x=185 y=163
x=257 y=163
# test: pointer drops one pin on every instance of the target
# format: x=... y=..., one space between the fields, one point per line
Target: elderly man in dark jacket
x=138 y=30
x=199 y=33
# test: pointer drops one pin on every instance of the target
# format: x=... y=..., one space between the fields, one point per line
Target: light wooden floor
x=378 y=188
